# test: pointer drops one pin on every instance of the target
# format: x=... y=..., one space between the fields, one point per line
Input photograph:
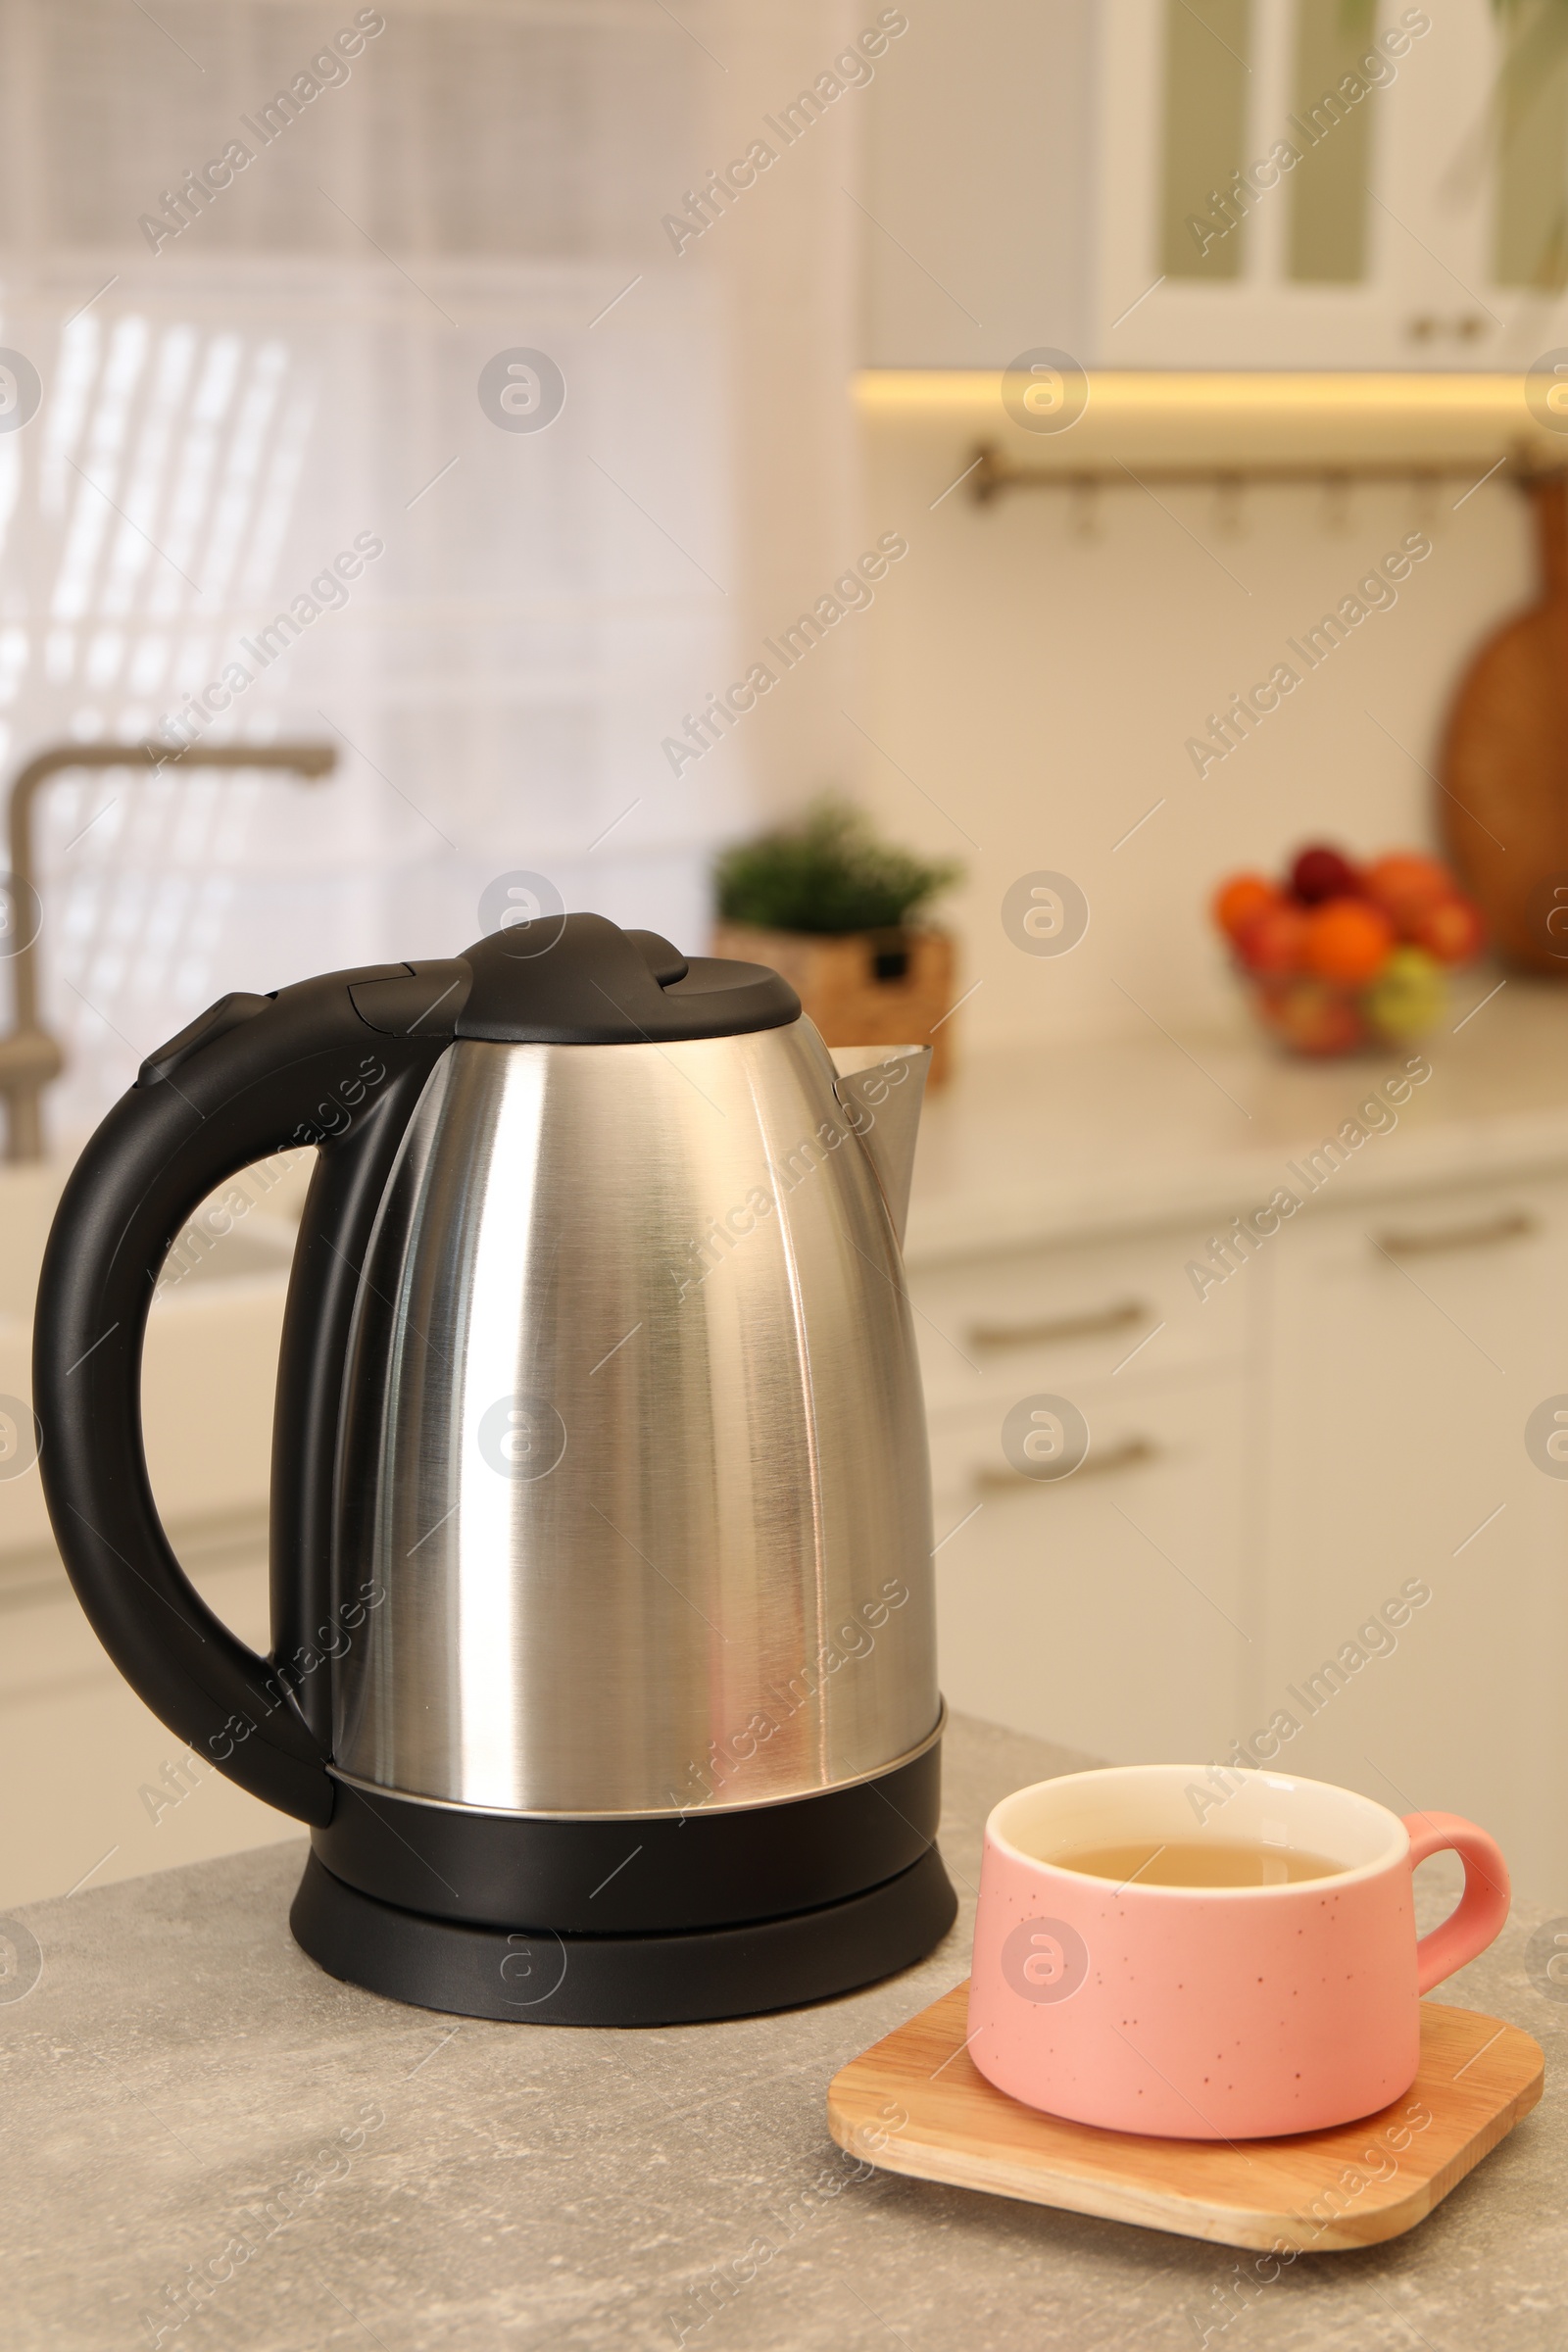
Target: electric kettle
x=603 y=1660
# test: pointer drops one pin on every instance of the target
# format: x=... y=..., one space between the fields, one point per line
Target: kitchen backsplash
x=1040 y=683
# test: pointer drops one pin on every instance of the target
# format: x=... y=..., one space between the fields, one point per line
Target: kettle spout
x=881 y=1089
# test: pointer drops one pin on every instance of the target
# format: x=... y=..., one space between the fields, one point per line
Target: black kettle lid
x=580 y=980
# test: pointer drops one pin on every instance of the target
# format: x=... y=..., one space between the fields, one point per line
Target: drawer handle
x=1512 y=1226
x=1125 y=1456
x=995 y=1336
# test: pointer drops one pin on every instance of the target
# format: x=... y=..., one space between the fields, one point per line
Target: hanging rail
x=989 y=473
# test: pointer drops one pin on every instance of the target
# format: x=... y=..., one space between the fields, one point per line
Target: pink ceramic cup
x=1213 y=2012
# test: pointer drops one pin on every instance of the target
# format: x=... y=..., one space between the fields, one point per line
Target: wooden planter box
x=866 y=988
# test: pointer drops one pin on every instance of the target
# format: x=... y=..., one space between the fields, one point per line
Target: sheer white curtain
x=294 y=375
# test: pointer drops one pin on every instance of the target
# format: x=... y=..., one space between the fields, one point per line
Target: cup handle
x=1482 y=1907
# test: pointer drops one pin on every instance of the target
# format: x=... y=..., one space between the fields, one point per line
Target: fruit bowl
x=1340 y=957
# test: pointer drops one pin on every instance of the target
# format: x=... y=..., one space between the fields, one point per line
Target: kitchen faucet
x=29 y=1058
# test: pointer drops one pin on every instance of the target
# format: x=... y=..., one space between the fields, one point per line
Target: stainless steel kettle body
x=632 y=1439
x=603 y=1661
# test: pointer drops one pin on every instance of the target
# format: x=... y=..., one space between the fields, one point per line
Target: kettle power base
x=721 y=1911
x=537 y=1976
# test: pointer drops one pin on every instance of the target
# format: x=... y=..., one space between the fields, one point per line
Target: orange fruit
x=1348 y=939
x=1240 y=897
x=1405 y=884
x=1450 y=929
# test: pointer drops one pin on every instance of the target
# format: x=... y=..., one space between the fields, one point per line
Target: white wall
x=1038 y=685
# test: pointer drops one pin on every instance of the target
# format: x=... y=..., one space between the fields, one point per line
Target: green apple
x=1408 y=994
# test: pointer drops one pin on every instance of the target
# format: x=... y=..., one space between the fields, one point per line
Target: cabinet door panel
x=1104 y=1610
x=1411 y=1345
x=1415 y=226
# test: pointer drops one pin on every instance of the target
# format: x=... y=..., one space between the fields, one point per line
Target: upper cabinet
x=1223 y=183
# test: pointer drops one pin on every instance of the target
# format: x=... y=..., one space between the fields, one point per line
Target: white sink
x=211 y=1360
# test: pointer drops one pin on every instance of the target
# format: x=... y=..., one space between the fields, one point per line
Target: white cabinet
x=1273 y=1481
x=1000 y=1325
x=1110 y=1605
x=1299 y=183
x=1109 y=177
x=1410 y=1345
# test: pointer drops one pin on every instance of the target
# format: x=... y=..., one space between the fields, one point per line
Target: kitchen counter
x=1049 y=1142
x=181 y=2066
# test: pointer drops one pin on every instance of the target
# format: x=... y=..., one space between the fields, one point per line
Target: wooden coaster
x=915 y=2103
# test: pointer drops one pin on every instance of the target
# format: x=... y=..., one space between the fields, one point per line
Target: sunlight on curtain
x=293 y=375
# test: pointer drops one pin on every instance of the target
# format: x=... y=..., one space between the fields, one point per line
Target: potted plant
x=833 y=907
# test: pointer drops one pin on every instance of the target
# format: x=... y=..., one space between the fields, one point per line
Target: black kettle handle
x=340 y=1062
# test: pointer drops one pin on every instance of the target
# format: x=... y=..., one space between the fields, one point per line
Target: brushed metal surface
x=633 y=1446
x=876 y=1772
x=882 y=1089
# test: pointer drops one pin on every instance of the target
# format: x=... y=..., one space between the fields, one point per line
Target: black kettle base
x=537 y=1976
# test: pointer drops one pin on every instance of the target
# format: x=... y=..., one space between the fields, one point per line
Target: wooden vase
x=861 y=988
x=1504 y=763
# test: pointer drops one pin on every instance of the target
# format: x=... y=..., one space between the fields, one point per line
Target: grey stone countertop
x=179 y=2068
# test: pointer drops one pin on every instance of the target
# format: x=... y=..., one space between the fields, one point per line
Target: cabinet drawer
x=1056 y=1318
x=1133 y=1427
x=1107 y=1610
